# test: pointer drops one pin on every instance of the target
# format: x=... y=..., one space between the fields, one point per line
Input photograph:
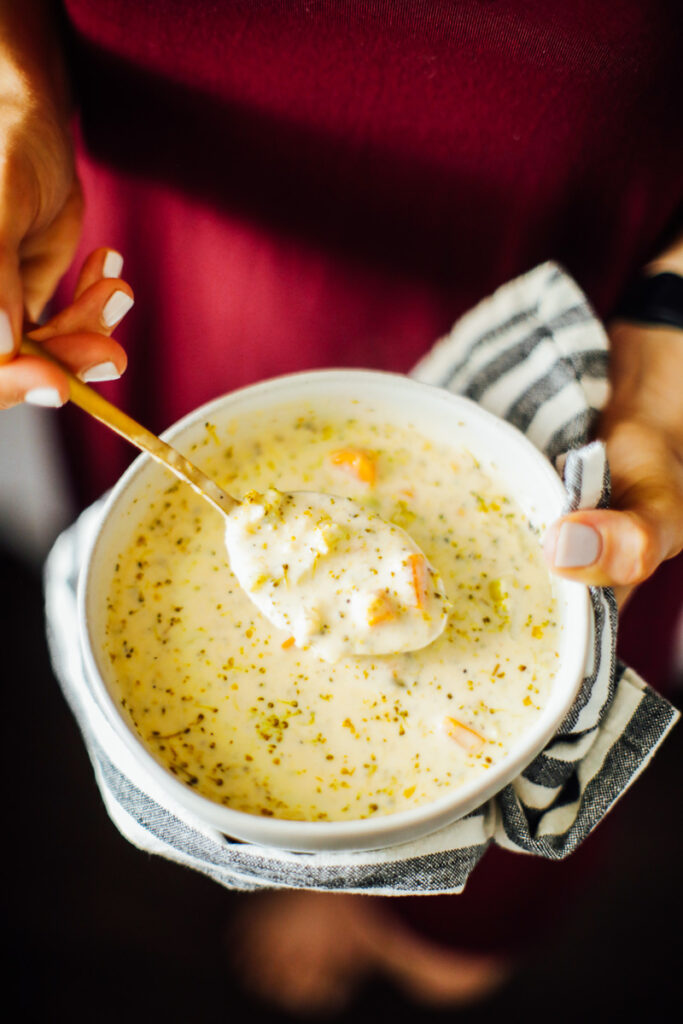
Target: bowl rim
x=356 y=834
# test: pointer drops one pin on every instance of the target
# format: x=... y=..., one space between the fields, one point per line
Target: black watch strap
x=657 y=299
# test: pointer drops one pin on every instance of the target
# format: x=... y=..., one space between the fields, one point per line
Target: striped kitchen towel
x=534 y=354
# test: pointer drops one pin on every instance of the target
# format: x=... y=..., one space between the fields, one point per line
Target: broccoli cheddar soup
x=251 y=716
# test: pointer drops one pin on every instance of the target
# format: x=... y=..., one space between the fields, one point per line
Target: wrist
x=646 y=364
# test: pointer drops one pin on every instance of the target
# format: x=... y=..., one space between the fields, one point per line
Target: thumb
x=11 y=304
x=606 y=548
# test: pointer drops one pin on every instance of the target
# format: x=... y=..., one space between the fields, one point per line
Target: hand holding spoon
x=340 y=579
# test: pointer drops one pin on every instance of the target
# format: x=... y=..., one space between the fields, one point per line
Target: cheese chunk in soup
x=236 y=710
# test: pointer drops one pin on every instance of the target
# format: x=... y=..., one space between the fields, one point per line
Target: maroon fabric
x=304 y=184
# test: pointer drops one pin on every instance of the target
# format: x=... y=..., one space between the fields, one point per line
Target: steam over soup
x=235 y=710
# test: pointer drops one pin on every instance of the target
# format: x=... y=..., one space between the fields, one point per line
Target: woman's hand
x=642 y=427
x=40 y=219
x=78 y=336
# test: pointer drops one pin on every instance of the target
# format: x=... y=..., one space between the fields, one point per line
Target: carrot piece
x=357 y=462
x=467 y=738
x=289 y=642
x=381 y=609
x=418 y=569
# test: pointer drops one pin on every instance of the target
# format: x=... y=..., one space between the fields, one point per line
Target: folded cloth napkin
x=534 y=354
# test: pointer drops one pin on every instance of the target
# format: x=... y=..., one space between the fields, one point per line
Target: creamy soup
x=235 y=709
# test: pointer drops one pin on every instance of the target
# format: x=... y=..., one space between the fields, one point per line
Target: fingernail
x=577 y=545
x=113 y=264
x=6 y=337
x=115 y=308
x=102 y=371
x=48 y=397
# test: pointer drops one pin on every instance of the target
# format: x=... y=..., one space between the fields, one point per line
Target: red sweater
x=299 y=184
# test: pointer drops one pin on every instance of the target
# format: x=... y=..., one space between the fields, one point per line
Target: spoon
x=339 y=578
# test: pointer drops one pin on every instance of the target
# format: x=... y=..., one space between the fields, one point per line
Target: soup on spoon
x=337 y=576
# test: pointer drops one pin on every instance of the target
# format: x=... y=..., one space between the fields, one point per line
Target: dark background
x=98 y=931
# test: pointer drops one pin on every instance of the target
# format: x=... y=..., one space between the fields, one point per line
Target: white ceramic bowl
x=436 y=414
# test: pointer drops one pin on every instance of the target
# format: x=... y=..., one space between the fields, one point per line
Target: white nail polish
x=115 y=308
x=103 y=371
x=6 y=339
x=577 y=545
x=48 y=397
x=113 y=264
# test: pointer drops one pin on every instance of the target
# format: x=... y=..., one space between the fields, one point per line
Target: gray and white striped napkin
x=534 y=354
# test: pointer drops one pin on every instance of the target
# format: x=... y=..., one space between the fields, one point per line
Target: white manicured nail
x=103 y=371
x=48 y=397
x=115 y=308
x=113 y=264
x=6 y=339
x=577 y=545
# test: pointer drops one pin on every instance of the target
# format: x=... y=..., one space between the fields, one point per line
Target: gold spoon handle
x=114 y=418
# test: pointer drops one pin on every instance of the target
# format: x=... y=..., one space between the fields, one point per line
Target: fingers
x=604 y=547
x=78 y=336
x=102 y=263
x=33 y=380
x=11 y=304
x=92 y=357
x=101 y=302
x=99 y=308
x=623 y=546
